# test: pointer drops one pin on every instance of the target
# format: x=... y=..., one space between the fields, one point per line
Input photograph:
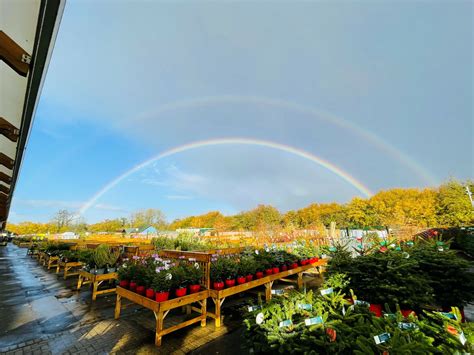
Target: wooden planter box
x=161 y=309
x=68 y=266
x=218 y=297
x=96 y=280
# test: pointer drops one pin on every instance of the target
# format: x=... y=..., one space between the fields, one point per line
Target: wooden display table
x=161 y=309
x=218 y=297
x=42 y=257
x=96 y=280
x=53 y=261
x=67 y=266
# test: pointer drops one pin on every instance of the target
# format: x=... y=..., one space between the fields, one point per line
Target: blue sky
x=129 y=80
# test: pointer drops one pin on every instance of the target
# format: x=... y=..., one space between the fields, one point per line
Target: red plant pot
x=303 y=262
x=162 y=296
x=276 y=270
x=241 y=280
x=376 y=309
x=230 y=282
x=294 y=266
x=194 y=288
x=284 y=268
x=407 y=312
x=180 y=292
x=140 y=290
x=259 y=275
x=218 y=286
x=314 y=260
x=150 y=293
x=124 y=283
x=249 y=278
x=268 y=272
x=133 y=286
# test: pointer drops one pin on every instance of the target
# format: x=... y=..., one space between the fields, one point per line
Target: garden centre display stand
x=42 y=257
x=96 y=280
x=67 y=266
x=161 y=309
x=218 y=297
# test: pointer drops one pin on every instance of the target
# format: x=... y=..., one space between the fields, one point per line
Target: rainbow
x=226 y=141
x=367 y=135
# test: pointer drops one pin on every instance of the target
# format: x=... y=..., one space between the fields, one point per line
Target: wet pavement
x=41 y=313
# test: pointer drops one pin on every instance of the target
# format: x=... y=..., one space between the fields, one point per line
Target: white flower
x=256 y=251
x=196 y=265
x=169 y=276
x=192 y=259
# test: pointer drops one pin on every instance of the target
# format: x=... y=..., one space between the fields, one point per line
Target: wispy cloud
x=72 y=205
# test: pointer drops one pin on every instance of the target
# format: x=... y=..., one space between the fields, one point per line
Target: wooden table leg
x=203 y=312
x=159 y=327
x=57 y=268
x=65 y=271
x=118 y=306
x=268 y=290
x=79 y=282
x=94 y=290
x=300 y=280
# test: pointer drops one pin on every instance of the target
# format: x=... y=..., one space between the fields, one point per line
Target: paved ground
x=40 y=313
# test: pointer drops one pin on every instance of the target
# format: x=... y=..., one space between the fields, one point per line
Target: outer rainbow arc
x=366 y=134
x=224 y=141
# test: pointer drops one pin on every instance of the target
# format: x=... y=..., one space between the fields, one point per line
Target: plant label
x=390 y=315
x=407 y=326
x=381 y=338
x=462 y=338
x=254 y=308
x=259 y=318
x=313 y=321
x=361 y=303
x=327 y=291
x=278 y=292
x=305 y=306
x=449 y=315
x=286 y=323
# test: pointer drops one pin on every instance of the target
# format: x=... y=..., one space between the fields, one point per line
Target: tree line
x=445 y=206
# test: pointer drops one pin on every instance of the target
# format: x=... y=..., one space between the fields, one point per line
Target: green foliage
x=162 y=281
x=447 y=274
x=101 y=256
x=351 y=331
x=452 y=204
x=247 y=266
x=223 y=268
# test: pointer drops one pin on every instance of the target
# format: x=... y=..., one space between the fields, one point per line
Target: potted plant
x=231 y=268
x=100 y=257
x=247 y=267
x=124 y=276
x=180 y=279
x=161 y=284
x=217 y=273
x=113 y=256
x=195 y=275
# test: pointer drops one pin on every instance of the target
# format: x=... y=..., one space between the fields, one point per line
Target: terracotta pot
x=150 y=293
x=276 y=270
x=241 y=280
x=124 y=283
x=294 y=266
x=194 y=288
x=180 y=292
x=249 y=278
x=284 y=268
x=376 y=309
x=140 y=290
x=407 y=312
x=133 y=286
x=162 y=296
x=218 y=285
x=230 y=282
x=259 y=275
x=268 y=272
